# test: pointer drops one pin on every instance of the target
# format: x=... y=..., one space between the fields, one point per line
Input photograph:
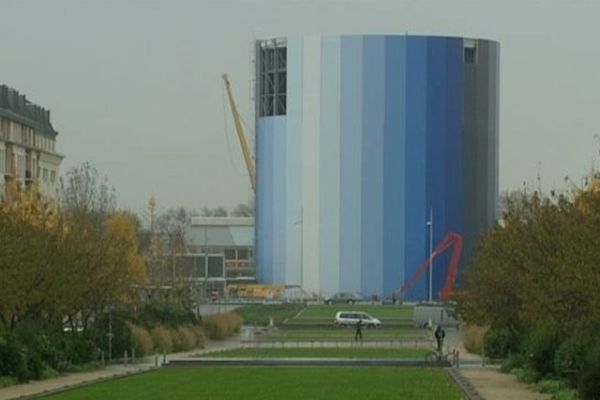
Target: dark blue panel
x=393 y=163
x=372 y=165
x=437 y=150
x=416 y=114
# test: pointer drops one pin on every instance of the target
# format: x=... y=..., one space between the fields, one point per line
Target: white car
x=348 y=318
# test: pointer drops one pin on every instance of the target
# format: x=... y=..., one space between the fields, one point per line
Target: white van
x=348 y=318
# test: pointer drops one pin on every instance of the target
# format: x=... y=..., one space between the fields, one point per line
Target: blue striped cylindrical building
x=358 y=139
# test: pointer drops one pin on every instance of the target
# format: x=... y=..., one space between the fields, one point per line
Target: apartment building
x=27 y=143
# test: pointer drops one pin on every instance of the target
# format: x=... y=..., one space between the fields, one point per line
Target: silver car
x=345 y=297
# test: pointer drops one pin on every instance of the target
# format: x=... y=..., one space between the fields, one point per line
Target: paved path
x=492 y=384
x=488 y=381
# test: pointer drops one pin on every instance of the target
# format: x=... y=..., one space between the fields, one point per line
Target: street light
x=430 y=225
x=301 y=223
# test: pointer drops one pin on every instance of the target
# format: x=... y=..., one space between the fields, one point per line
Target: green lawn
x=258 y=314
x=326 y=313
x=322 y=352
x=343 y=334
x=371 y=383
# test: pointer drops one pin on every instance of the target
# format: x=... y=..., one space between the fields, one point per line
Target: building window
x=272 y=78
x=215 y=267
x=470 y=51
x=229 y=254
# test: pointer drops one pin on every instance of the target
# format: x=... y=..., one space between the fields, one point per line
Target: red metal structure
x=452 y=238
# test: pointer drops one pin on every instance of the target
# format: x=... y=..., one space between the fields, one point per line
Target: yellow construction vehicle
x=253 y=291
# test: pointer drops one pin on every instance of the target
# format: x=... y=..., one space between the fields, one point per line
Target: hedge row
x=219 y=326
x=161 y=339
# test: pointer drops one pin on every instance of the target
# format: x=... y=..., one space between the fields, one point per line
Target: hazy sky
x=134 y=87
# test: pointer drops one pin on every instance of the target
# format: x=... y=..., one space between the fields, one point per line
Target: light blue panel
x=394 y=168
x=293 y=161
x=437 y=151
x=350 y=161
x=264 y=198
x=373 y=75
x=416 y=125
x=330 y=165
x=279 y=196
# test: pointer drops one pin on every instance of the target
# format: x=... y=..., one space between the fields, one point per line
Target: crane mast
x=239 y=127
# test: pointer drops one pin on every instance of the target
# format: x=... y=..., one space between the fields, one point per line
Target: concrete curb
x=305 y=362
x=465 y=385
x=77 y=385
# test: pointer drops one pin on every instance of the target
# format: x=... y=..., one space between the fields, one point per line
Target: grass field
x=258 y=314
x=344 y=334
x=371 y=383
x=320 y=314
x=325 y=312
x=323 y=352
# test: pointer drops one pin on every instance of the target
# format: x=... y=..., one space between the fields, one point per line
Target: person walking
x=440 y=334
x=358 y=334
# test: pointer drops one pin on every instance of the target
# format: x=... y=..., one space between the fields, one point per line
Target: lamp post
x=430 y=225
x=301 y=223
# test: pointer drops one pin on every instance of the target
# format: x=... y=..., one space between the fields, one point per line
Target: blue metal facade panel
x=293 y=154
x=393 y=145
x=436 y=149
x=372 y=165
x=454 y=141
x=350 y=162
x=278 y=138
x=330 y=165
x=416 y=129
x=394 y=169
x=264 y=217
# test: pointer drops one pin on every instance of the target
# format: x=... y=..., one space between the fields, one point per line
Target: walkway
x=488 y=381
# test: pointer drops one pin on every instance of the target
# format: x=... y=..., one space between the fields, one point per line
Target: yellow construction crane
x=239 y=127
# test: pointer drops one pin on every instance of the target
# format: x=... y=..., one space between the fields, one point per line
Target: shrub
x=35 y=365
x=79 y=348
x=167 y=314
x=589 y=378
x=498 y=343
x=142 y=340
x=568 y=359
x=199 y=334
x=472 y=336
x=526 y=375
x=8 y=381
x=12 y=358
x=187 y=338
x=551 y=386
x=219 y=326
x=539 y=348
x=513 y=361
x=162 y=339
x=566 y=394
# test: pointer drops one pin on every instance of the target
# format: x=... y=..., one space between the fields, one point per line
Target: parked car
x=345 y=297
x=348 y=318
